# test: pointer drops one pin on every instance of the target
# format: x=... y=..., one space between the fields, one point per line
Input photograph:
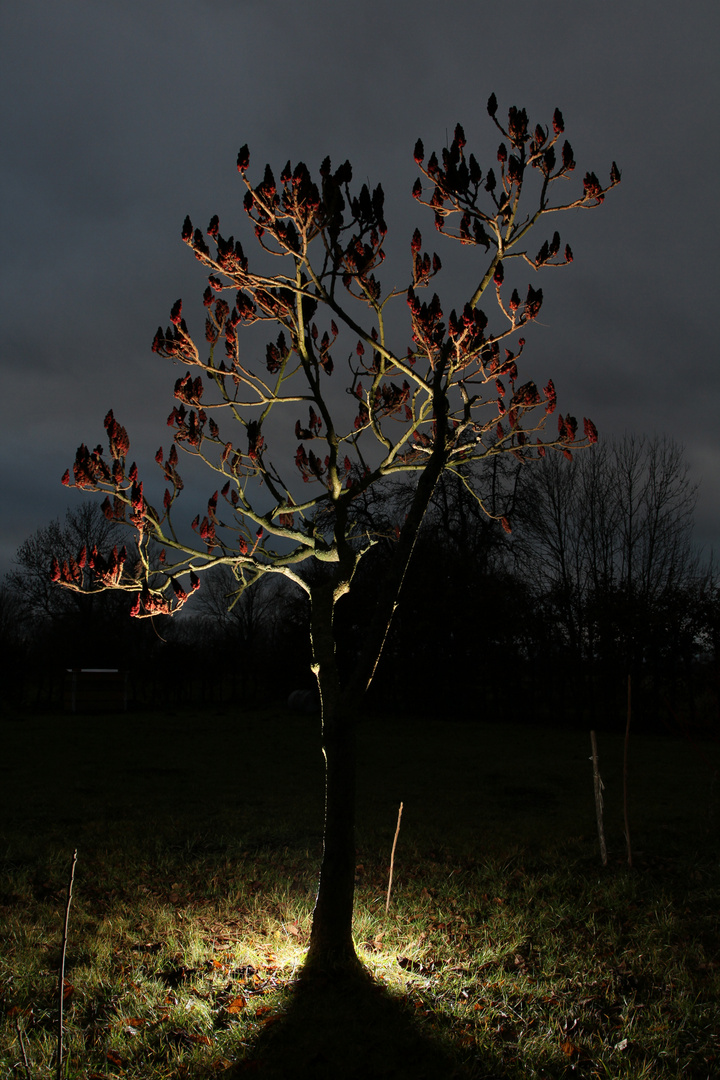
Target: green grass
x=508 y=950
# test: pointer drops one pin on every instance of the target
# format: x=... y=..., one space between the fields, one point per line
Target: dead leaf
x=415 y=965
x=236 y=1004
x=187 y=1038
x=245 y=971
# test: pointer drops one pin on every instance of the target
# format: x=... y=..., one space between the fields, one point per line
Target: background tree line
x=598 y=579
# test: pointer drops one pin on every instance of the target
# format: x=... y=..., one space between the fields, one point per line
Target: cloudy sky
x=119 y=117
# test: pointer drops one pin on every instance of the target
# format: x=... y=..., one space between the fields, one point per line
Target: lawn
x=508 y=950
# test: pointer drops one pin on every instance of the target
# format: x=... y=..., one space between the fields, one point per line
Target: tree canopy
x=451 y=395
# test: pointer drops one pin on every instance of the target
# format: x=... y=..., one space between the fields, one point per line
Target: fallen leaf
x=236 y=1005
x=17 y=1010
x=415 y=965
x=186 y=1038
x=245 y=971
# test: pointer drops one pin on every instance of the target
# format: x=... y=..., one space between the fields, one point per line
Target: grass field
x=508 y=950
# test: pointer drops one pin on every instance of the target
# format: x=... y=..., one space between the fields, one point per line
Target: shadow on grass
x=350 y=1028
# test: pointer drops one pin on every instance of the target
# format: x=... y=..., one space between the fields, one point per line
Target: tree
x=240 y=634
x=461 y=569
x=40 y=600
x=451 y=397
x=13 y=646
x=60 y=628
x=611 y=537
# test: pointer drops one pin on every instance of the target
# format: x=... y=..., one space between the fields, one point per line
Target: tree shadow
x=351 y=1027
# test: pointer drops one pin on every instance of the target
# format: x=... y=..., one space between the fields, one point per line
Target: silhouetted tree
x=240 y=630
x=39 y=597
x=62 y=628
x=462 y=563
x=613 y=556
x=450 y=397
x=13 y=646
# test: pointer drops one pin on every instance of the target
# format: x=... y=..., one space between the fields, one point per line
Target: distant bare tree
x=61 y=628
x=243 y=626
x=613 y=552
x=37 y=596
x=10 y=616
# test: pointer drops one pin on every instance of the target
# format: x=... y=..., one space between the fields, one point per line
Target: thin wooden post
x=392 y=858
x=625 y=773
x=598 y=785
x=61 y=977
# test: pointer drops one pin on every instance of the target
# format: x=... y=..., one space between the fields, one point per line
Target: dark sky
x=119 y=117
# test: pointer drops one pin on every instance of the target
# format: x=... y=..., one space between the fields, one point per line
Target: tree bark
x=331 y=941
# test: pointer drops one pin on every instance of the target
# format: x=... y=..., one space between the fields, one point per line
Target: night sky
x=119 y=117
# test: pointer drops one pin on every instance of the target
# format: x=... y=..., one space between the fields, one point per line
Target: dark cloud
x=119 y=118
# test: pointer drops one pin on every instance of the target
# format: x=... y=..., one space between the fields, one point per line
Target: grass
x=508 y=950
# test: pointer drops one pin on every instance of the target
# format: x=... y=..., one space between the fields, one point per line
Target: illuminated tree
x=449 y=396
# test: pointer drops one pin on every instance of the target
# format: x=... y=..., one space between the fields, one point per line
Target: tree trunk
x=331 y=942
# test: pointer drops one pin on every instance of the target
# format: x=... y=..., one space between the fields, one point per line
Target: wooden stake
x=392 y=859
x=26 y=1063
x=625 y=774
x=598 y=798
x=61 y=980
